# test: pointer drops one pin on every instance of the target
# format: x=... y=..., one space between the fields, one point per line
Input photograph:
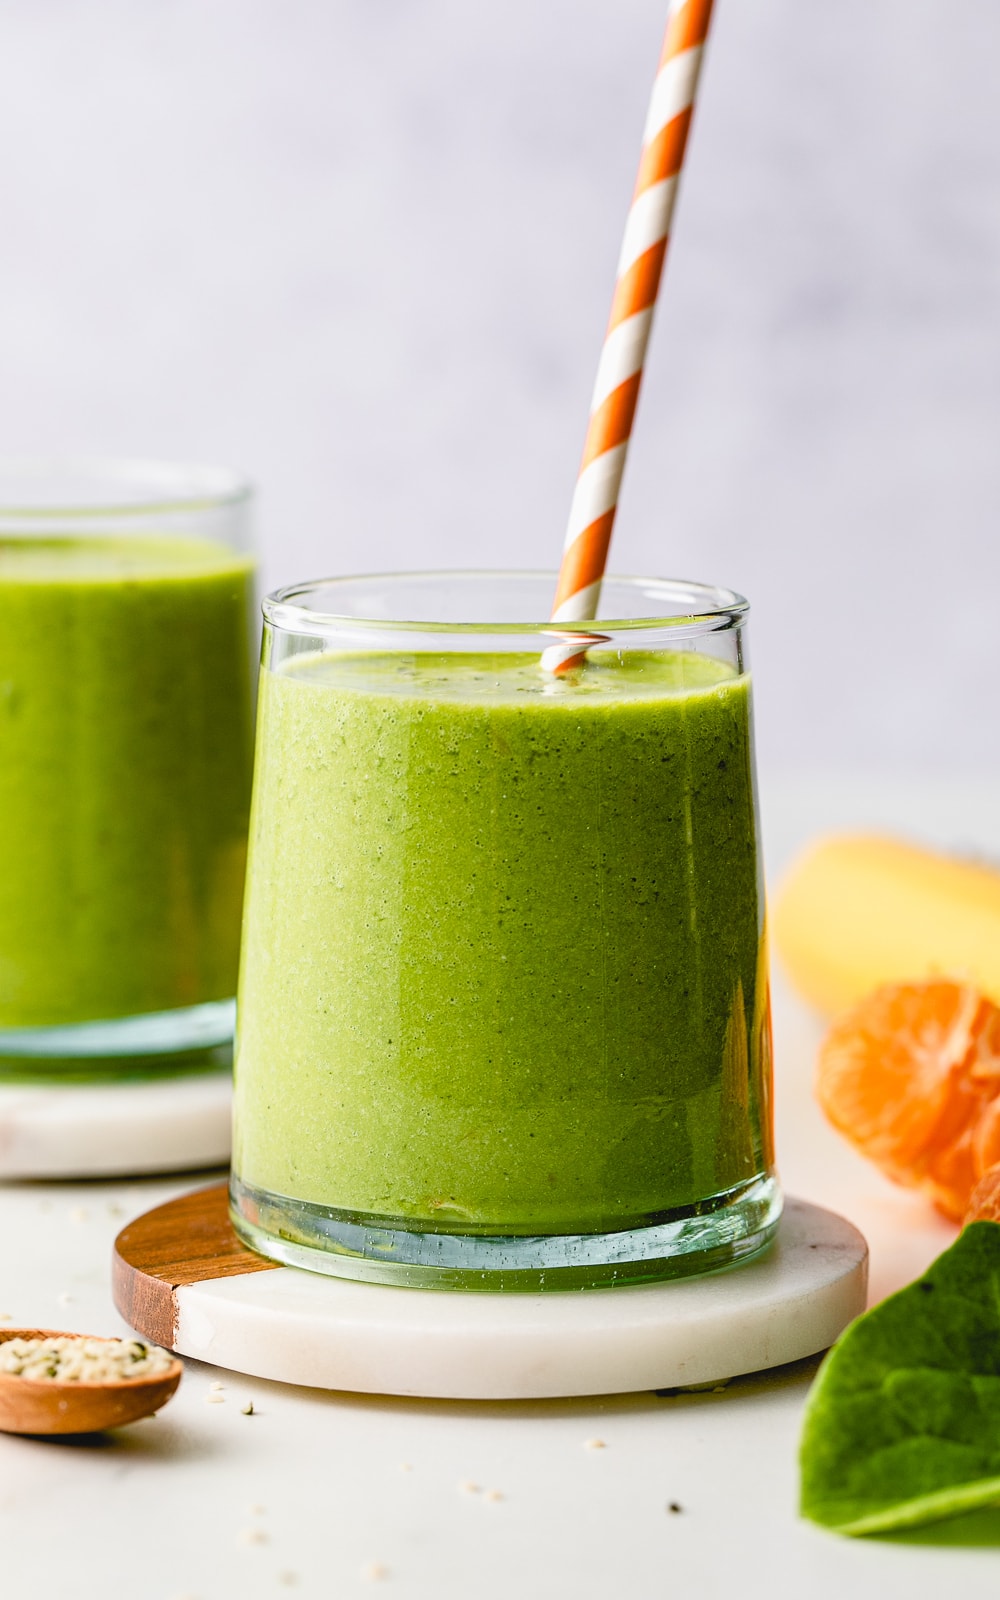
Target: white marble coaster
x=105 y=1130
x=303 y=1328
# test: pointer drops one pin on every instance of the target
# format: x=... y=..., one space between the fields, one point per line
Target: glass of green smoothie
x=127 y=643
x=503 y=1015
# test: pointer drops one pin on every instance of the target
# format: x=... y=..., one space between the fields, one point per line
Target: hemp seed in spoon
x=74 y=1360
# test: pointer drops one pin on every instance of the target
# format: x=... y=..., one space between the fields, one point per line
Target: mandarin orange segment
x=984 y=1205
x=912 y=1077
x=986 y=1138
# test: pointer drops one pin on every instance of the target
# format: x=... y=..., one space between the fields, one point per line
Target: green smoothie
x=502 y=963
x=125 y=756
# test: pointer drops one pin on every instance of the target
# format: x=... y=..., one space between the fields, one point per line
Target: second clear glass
x=127 y=641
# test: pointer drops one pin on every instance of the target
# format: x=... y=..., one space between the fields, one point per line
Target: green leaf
x=902 y=1425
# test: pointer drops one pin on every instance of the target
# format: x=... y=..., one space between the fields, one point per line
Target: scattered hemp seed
x=5 y=1316
x=69 y=1359
x=216 y=1386
x=374 y=1572
x=215 y=1399
x=256 y=1511
x=289 y=1579
x=252 y=1536
x=65 y=1299
x=247 y=1410
x=470 y=1488
x=493 y=1494
x=595 y=1444
x=79 y=1214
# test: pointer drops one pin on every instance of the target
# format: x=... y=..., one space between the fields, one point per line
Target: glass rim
x=123 y=487
x=282 y=608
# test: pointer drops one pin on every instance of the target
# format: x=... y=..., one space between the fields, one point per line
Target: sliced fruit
x=911 y=1077
x=984 y=1206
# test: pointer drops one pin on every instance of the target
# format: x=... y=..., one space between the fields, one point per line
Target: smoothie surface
x=502 y=963
x=66 y=561
x=513 y=678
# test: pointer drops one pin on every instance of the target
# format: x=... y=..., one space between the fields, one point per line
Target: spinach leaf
x=902 y=1425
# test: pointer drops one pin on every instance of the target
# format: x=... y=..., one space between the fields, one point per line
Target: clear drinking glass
x=503 y=1012
x=127 y=636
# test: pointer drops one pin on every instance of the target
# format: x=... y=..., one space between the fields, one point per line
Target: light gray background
x=364 y=249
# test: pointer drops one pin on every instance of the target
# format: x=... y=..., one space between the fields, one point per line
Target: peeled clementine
x=985 y=1203
x=912 y=1077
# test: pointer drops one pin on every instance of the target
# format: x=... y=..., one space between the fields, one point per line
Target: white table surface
x=334 y=1495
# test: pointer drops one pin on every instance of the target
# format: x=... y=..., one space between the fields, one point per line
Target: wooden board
x=183 y=1279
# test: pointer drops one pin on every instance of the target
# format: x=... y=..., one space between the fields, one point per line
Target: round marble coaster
x=183 y=1279
x=105 y=1130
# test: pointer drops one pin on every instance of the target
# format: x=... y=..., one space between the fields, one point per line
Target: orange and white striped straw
x=637 y=283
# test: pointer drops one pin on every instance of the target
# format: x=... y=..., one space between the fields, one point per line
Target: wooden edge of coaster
x=187 y=1240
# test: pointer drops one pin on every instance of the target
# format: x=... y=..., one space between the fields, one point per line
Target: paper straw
x=637 y=281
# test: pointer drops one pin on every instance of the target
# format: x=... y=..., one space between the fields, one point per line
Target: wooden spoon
x=34 y=1405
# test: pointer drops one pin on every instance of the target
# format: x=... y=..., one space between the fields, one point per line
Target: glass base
x=121 y=1041
x=718 y=1233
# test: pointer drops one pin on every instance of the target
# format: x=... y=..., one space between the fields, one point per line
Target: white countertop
x=334 y=1495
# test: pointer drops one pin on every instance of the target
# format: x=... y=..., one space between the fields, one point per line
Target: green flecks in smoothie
x=125 y=750
x=501 y=962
